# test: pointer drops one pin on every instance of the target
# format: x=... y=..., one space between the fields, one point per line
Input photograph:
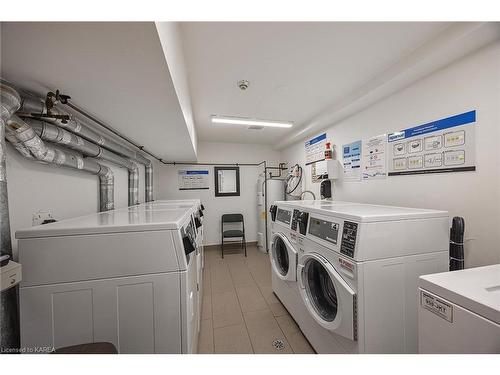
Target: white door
x=328 y=298
x=283 y=258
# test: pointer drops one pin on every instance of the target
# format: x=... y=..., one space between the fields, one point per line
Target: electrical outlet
x=40 y=216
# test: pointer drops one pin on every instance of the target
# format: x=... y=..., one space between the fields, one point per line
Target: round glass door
x=320 y=290
x=280 y=255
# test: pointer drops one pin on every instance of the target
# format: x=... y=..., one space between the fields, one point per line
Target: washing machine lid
x=364 y=213
x=475 y=289
x=117 y=221
x=283 y=257
x=326 y=295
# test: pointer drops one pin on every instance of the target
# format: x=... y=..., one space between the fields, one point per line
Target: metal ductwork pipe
x=32 y=106
x=148 y=169
x=9 y=317
x=25 y=134
x=133 y=186
x=52 y=133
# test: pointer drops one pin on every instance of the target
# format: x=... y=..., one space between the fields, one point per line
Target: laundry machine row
x=348 y=272
x=129 y=276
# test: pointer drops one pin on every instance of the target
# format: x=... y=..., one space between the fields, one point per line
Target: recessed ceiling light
x=248 y=121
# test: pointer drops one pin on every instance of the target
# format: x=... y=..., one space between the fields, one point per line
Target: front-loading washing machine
x=357 y=272
x=283 y=257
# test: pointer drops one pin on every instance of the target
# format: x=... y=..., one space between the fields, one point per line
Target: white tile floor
x=240 y=313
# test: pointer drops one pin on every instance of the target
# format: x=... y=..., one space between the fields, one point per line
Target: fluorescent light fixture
x=249 y=122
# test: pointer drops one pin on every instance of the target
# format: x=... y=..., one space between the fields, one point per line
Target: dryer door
x=328 y=298
x=283 y=258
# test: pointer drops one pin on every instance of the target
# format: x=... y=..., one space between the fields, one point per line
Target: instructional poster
x=445 y=145
x=351 y=155
x=315 y=149
x=193 y=179
x=373 y=161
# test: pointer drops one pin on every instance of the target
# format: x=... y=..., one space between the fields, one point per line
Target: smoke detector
x=243 y=84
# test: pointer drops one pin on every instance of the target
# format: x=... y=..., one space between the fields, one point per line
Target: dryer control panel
x=349 y=234
x=299 y=221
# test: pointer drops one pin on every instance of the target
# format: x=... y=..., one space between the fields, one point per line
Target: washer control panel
x=349 y=234
x=295 y=217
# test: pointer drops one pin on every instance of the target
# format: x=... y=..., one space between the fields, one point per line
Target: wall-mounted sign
x=373 y=162
x=315 y=149
x=445 y=145
x=193 y=179
x=351 y=155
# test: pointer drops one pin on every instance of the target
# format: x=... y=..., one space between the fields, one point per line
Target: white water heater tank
x=275 y=192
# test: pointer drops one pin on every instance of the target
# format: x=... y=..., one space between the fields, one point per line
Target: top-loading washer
x=357 y=272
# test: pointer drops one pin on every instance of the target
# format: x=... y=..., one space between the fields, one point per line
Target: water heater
x=275 y=192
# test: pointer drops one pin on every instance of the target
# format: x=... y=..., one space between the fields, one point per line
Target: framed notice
x=351 y=155
x=193 y=179
x=315 y=149
x=441 y=146
x=373 y=161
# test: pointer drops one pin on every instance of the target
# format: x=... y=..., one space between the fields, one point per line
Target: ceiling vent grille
x=255 y=127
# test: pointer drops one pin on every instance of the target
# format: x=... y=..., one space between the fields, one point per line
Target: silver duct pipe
x=148 y=171
x=54 y=134
x=25 y=134
x=133 y=186
x=76 y=126
x=9 y=321
x=32 y=105
x=11 y=137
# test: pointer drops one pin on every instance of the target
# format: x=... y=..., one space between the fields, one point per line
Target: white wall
x=166 y=185
x=66 y=192
x=171 y=42
x=471 y=83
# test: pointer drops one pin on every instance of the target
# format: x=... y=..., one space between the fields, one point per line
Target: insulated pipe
x=52 y=133
x=148 y=171
x=47 y=154
x=32 y=105
x=9 y=321
x=133 y=186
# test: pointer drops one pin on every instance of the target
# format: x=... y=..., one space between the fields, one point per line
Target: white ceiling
x=295 y=69
x=114 y=70
x=150 y=81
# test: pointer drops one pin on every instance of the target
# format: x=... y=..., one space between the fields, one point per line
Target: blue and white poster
x=315 y=149
x=441 y=146
x=351 y=156
x=193 y=179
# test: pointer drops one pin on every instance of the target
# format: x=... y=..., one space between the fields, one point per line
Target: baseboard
x=231 y=245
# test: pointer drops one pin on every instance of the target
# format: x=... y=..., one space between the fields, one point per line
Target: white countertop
x=476 y=289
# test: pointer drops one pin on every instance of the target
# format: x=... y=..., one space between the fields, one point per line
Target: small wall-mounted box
x=333 y=168
x=10 y=275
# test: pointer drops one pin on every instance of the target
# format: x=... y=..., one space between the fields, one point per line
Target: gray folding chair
x=233 y=233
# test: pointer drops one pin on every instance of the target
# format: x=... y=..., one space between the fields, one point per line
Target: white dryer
x=196 y=211
x=459 y=312
x=128 y=277
x=357 y=272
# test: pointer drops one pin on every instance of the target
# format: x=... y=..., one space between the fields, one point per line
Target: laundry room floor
x=240 y=313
